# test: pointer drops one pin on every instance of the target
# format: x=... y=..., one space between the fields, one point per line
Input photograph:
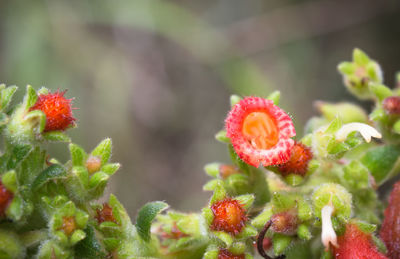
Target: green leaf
x=103 y=150
x=56 y=136
x=110 y=168
x=90 y=247
x=78 y=155
x=51 y=173
x=380 y=91
x=360 y=58
x=275 y=97
x=6 y=96
x=18 y=153
x=146 y=215
x=221 y=137
x=381 y=160
x=30 y=97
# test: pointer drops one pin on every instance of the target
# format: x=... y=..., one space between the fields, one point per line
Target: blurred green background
x=156 y=75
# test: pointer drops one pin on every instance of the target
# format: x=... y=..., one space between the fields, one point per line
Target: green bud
x=335 y=194
x=356 y=175
x=346 y=112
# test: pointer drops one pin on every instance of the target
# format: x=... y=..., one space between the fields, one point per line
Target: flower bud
x=392 y=105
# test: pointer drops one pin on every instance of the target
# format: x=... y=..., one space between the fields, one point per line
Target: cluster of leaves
x=316 y=198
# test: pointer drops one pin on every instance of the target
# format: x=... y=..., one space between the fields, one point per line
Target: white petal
x=365 y=130
x=328 y=235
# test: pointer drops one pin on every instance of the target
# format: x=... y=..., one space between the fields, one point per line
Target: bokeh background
x=156 y=75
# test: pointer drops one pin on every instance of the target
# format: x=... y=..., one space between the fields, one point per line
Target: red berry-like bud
x=5 y=198
x=229 y=216
x=260 y=132
x=355 y=244
x=105 y=214
x=392 y=105
x=285 y=222
x=225 y=254
x=57 y=109
x=298 y=161
x=390 y=230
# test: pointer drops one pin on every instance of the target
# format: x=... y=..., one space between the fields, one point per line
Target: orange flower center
x=260 y=130
x=68 y=225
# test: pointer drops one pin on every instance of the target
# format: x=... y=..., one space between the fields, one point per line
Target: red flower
x=229 y=216
x=298 y=162
x=260 y=132
x=105 y=214
x=225 y=254
x=355 y=244
x=390 y=230
x=5 y=198
x=57 y=109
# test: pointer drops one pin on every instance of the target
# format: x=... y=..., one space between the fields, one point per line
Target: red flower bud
x=355 y=244
x=225 y=254
x=105 y=214
x=260 y=132
x=392 y=104
x=285 y=222
x=229 y=216
x=57 y=109
x=390 y=230
x=298 y=162
x=5 y=198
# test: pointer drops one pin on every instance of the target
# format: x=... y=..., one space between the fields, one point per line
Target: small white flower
x=328 y=235
x=365 y=130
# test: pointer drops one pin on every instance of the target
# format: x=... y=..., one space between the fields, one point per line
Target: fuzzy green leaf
x=51 y=173
x=30 y=97
x=56 y=136
x=90 y=247
x=103 y=150
x=78 y=155
x=6 y=96
x=146 y=215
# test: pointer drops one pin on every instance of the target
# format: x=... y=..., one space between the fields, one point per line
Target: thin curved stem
x=260 y=241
